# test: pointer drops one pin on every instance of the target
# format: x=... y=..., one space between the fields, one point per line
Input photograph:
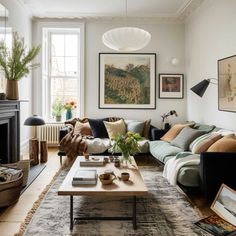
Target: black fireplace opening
x=4 y=147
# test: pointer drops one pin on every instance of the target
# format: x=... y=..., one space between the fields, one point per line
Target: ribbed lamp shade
x=201 y=87
x=126 y=39
x=34 y=121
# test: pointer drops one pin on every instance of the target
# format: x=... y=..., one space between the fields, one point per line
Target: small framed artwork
x=224 y=204
x=227 y=84
x=127 y=80
x=171 y=86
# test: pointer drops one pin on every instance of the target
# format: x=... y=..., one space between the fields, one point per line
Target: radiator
x=50 y=133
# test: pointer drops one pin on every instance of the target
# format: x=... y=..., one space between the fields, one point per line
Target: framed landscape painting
x=171 y=85
x=127 y=80
x=227 y=84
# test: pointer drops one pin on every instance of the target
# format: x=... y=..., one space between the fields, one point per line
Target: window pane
x=57 y=86
x=57 y=48
x=71 y=42
x=71 y=66
x=71 y=86
x=58 y=66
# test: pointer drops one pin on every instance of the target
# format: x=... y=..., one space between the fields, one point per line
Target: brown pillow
x=206 y=143
x=146 y=128
x=226 y=144
x=174 y=131
x=82 y=129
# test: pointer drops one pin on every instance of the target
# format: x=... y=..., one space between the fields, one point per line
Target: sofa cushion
x=146 y=128
x=115 y=128
x=205 y=143
x=97 y=145
x=98 y=128
x=189 y=176
x=174 y=131
x=226 y=144
x=162 y=150
x=185 y=137
x=82 y=129
x=203 y=127
x=135 y=127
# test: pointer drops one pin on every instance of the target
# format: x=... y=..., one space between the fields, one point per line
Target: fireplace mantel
x=9 y=131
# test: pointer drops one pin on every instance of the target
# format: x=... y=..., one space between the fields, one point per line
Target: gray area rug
x=164 y=212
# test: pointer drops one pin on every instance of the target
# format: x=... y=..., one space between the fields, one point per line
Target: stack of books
x=84 y=177
x=93 y=161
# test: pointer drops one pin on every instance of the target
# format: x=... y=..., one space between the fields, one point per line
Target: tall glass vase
x=125 y=159
x=68 y=114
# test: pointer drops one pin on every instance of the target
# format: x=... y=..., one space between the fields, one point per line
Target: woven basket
x=24 y=165
x=10 y=191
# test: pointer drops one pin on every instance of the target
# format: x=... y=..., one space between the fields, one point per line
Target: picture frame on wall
x=127 y=80
x=171 y=86
x=227 y=84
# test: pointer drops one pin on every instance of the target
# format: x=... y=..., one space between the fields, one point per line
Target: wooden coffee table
x=134 y=187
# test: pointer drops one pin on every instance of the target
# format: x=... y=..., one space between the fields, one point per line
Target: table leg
x=134 y=213
x=71 y=213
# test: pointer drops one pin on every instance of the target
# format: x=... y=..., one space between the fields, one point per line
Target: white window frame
x=38 y=83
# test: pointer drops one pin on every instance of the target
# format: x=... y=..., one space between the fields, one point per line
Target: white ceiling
x=109 y=8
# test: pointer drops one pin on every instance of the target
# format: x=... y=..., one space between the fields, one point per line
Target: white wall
x=210 y=35
x=167 y=41
x=20 y=21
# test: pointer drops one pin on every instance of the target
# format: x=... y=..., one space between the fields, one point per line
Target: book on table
x=93 y=161
x=84 y=177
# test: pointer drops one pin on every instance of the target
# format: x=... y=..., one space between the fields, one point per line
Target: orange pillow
x=174 y=131
x=226 y=144
x=82 y=129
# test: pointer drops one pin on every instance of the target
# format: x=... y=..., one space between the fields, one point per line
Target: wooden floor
x=12 y=217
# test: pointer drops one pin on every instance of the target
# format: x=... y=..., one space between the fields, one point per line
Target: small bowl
x=125 y=176
x=106 y=181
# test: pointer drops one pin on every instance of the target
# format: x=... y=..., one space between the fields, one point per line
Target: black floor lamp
x=33 y=142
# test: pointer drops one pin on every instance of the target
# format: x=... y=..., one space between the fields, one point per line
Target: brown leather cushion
x=226 y=144
x=146 y=128
x=174 y=131
x=82 y=129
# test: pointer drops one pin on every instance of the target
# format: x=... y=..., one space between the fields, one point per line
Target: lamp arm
x=213 y=79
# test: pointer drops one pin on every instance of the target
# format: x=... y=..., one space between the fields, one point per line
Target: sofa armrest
x=156 y=134
x=217 y=168
x=63 y=132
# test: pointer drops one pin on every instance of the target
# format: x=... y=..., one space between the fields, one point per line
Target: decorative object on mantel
x=127 y=145
x=171 y=86
x=15 y=63
x=57 y=109
x=126 y=39
x=69 y=106
x=227 y=84
x=201 y=87
x=165 y=123
x=34 y=143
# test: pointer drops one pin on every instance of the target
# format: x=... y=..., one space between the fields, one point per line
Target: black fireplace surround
x=9 y=131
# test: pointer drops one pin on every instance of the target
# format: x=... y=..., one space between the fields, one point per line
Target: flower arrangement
x=57 y=109
x=126 y=144
x=70 y=105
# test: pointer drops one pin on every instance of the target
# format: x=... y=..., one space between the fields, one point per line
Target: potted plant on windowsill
x=57 y=110
x=16 y=63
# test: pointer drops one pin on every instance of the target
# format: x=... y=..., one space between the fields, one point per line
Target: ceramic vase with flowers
x=16 y=63
x=69 y=106
x=127 y=145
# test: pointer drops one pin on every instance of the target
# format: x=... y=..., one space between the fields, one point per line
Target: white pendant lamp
x=126 y=39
